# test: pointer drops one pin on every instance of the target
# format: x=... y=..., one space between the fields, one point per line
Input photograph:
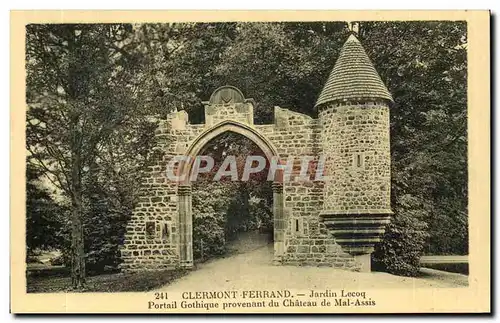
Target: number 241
x=161 y=295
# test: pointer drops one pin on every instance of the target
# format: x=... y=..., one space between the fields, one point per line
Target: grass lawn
x=117 y=282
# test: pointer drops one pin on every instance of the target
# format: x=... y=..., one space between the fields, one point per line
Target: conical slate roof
x=353 y=77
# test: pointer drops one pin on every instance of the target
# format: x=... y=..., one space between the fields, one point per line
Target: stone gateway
x=334 y=222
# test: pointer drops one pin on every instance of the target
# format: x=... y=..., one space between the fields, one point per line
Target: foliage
x=210 y=200
x=43 y=215
x=222 y=209
x=208 y=235
x=261 y=210
x=428 y=125
x=428 y=80
x=404 y=239
x=283 y=64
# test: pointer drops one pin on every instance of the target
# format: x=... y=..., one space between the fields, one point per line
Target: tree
x=283 y=64
x=110 y=193
x=404 y=239
x=428 y=80
x=82 y=89
x=184 y=56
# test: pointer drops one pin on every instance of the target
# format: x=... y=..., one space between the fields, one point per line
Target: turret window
x=297 y=226
x=165 y=232
x=150 y=230
x=358 y=160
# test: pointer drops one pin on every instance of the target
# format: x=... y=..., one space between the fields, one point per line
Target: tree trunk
x=77 y=244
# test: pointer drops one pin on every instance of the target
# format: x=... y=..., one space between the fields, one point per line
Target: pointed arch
x=184 y=189
x=226 y=126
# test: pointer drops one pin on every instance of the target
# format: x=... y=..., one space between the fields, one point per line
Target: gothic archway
x=185 y=188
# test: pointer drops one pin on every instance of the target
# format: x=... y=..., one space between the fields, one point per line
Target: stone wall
x=158 y=206
x=151 y=239
x=241 y=112
x=154 y=238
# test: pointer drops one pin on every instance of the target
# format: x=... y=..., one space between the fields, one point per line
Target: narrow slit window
x=150 y=230
x=358 y=160
x=297 y=228
x=165 y=232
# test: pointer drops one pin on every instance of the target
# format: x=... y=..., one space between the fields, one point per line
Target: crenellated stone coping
x=284 y=118
x=239 y=112
x=356 y=233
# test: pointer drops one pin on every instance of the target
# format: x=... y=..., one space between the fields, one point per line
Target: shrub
x=262 y=213
x=208 y=235
x=57 y=261
x=404 y=240
x=31 y=259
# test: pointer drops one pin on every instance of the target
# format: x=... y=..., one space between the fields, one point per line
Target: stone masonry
x=333 y=222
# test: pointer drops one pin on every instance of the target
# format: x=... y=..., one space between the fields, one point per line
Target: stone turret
x=354 y=117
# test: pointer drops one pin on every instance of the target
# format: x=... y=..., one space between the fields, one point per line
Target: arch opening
x=226 y=215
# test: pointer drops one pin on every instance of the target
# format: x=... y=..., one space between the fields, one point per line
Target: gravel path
x=254 y=269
